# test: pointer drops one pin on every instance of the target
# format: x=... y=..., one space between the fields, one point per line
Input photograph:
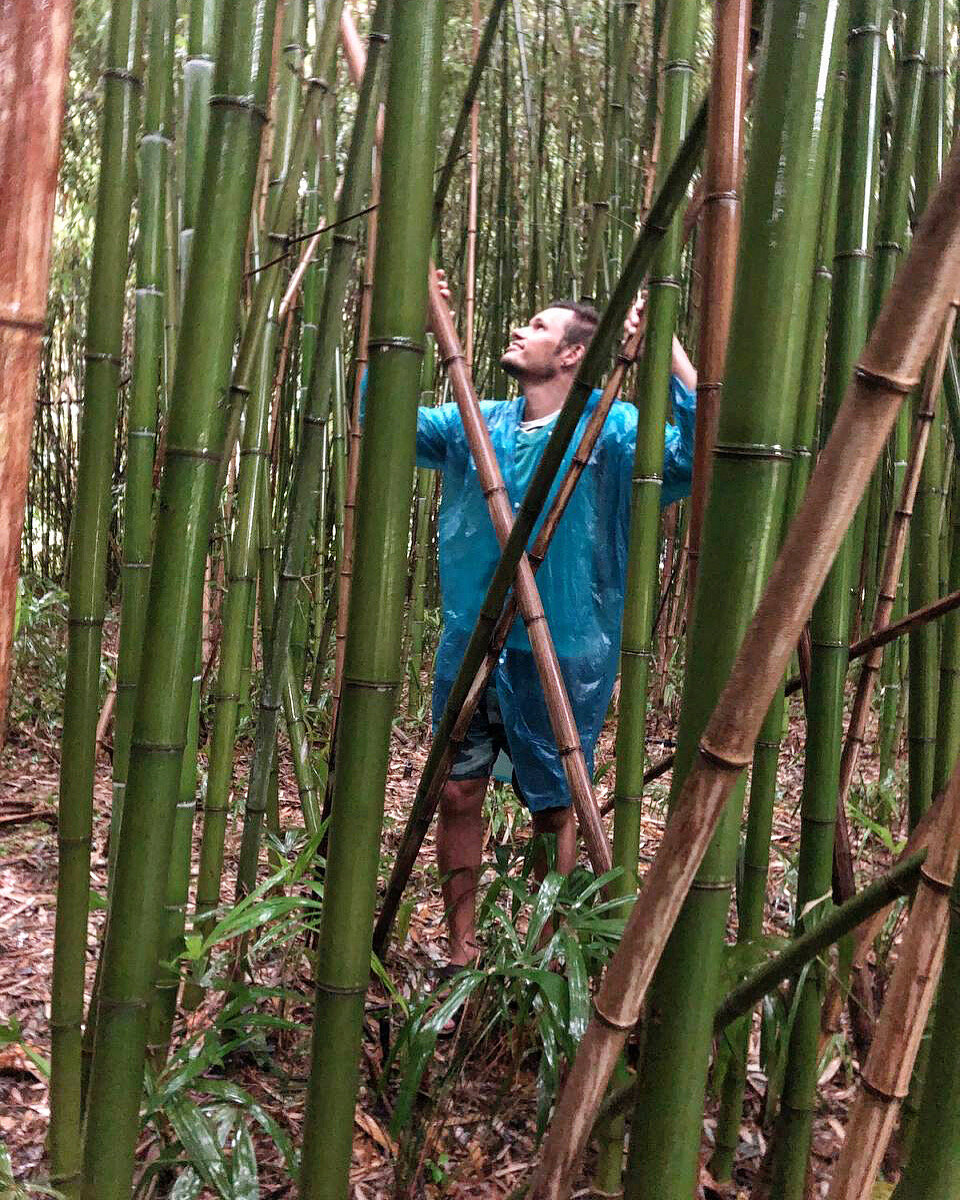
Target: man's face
x=536 y=351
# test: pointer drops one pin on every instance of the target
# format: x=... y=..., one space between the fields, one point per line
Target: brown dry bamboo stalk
x=889 y=368
x=470 y=289
x=527 y=595
x=886 y=595
x=881 y=637
x=723 y=173
x=885 y=1079
x=33 y=56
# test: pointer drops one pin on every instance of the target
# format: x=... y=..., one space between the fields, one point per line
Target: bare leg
x=459 y=850
x=561 y=822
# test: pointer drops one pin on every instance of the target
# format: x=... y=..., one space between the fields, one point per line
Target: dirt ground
x=470 y=1147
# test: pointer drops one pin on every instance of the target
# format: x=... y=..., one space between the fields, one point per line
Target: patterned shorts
x=485 y=738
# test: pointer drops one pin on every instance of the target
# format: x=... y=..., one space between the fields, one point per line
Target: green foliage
x=39 y=649
x=532 y=992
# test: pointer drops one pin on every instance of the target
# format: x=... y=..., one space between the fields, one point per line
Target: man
x=581 y=583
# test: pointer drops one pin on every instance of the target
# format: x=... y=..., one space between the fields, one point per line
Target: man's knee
x=462 y=797
x=552 y=820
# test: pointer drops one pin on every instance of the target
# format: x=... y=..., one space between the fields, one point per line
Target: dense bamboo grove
x=296 y=248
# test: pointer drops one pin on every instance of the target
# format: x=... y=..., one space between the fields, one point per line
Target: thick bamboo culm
x=654 y=228
x=31 y=109
x=372 y=664
x=88 y=566
x=720 y=230
x=830 y=620
x=886 y=1073
x=886 y=597
x=888 y=369
x=750 y=475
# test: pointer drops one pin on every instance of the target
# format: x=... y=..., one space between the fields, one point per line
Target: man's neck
x=544 y=396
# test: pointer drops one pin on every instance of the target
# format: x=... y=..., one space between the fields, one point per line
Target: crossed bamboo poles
x=466 y=686
x=526 y=600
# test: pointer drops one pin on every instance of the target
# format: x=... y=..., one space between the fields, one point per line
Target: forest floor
x=477 y=1139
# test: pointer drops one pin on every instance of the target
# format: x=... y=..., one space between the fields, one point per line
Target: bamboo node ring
x=85 y=621
x=378 y=35
x=123 y=75
x=198 y=452
x=664 y=281
x=110 y=358
x=332 y=989
x=22 y=323
x=729 y=194
x=883 y=382
x=395 y=343
x=879 y=1093
x=723 y=761
x=157 y=747
x=612 y=1022
x=861 y=30
x=942 y=887
x=647 y=479
x=751 y=450
x=853 y=254
x=246 y=103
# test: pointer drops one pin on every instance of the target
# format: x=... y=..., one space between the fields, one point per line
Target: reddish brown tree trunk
x=33 y=63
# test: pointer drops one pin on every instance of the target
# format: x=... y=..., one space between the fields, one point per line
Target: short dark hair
x=582 y=325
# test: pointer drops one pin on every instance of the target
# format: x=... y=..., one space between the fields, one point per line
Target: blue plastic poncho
x=581 y=581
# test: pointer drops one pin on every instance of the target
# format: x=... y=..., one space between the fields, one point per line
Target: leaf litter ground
x=474 y=1137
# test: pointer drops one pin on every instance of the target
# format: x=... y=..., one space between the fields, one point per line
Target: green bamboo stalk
x=163 y=1003
x=755 y=857
x=924 y=557
x=186 y=508
x=642 y=590
x=750 y=476
x=948 y=705
x=372 y=669
x=421 y=546
x=198 y=73
x=831 y=619
x=154 y=155
x=234 y=649
x=302 y=499
x=88 y=563
x=676 y=104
